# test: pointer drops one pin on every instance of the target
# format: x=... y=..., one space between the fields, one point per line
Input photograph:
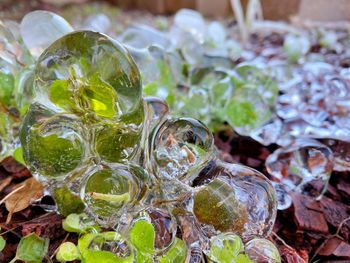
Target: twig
x=331 y=236
x=56 y=250
x=281 y=240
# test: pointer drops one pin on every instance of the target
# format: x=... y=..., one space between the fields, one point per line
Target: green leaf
x=32 y=248
x=224 y=248
x=176 y=253
x=216 y=204
x=240 y=113
x=61 y=95
x=79 y=223
x=53 y=154
x=18 y=155
x=242 y=258
x=100 y=96
x=90 y=247
x=2 y=243
x=67 y=202
x=67 y=251
x=142 y=236
x=7 y=84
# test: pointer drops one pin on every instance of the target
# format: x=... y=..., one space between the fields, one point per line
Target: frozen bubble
x=313 y=114
x=317 y=68
x=98 y=22
x=109 y=190
x=341 y=151
x=89 y=74
x=13 y=55
x=237 y=199
x=53 y=144
x=157 y=109
x=179 y=147
x=39 y=29
x=269 y=132
x=262 y=250
x=119 y=142
x=296 y=46
x=120 y=249
x=225 y=247
x=306 y=158
x=192 y=22
x=143 y=36
x=163 y=224
x=284 y=200
x=217 y=32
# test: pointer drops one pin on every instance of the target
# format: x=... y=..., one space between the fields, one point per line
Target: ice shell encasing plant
x=99 y=146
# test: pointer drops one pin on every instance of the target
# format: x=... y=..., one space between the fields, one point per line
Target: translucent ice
x=235 y=199
x=284 y=200
x=107 y=190
x=306 y=158
x=341 y=151
x=262 y=250
x=179 y=147
x=95 y=73
x=39 y=29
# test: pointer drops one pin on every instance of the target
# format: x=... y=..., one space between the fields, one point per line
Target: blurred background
x=319 y=10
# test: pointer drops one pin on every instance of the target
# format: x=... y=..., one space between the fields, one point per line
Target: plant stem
x=110 y=198
x=238 y=11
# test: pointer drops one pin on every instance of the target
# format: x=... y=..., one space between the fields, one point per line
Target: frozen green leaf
x=176 y=253
x=91 y=248
x=18 y=155
x=67 y=251
x=55 y=155
x=79 y=223
x=240 y=113
x=67 y=202
x=7 y=84
x=242 y=258
x=61 y=95
x=142 y=236
x=224 y=248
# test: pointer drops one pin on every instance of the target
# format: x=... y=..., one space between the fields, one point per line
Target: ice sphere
x=89 y=74
x=13 y=55
x=225 y=247
x=157 y=109
x=161 y=229
x=110 y=246
x=98 y=22
x=284 y=200
x=296 y=46
x=269 y=132
x=142 y=36
x=180 y=146
x=262 y=250
x=235 y=198
x=108 y=190
x=192 y=22
x=39 y=29
x=341 y=152
x=119 y=142
x=53 y=144
x=306 y=158
x=217 y=32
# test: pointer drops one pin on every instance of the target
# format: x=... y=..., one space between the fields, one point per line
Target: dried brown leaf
x=22 y=196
